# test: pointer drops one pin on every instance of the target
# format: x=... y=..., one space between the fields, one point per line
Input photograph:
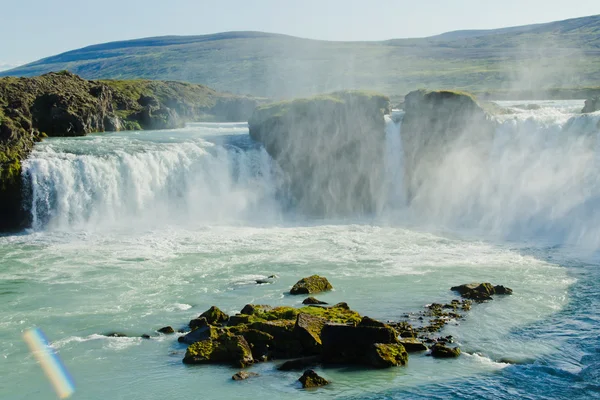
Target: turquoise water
x=135 y=231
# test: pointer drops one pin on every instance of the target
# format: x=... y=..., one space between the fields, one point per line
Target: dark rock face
x=63 y=104
x=440 y=130
x=347 y=344
x=591 y=105
x=214 y=316
x=330 y=149
x=440 y=350
x=199 y=322
x=167 y=330
x=413 y=345
x=311 y=284
x=225 y=348
x=481 y=291
x=313 y=301
x=311 y=379
x=243 y=375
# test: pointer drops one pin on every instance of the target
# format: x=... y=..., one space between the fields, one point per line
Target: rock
x=438 y=125
x=115 y=334
x=250 y=309
x=198 y=334
x=413 y=345
x=145 y=336
x=167 y=330
x=200 y=322
x=311 y=284
x=299 y=363
x=308 y=331
x=214 y=316
x=366 y=321
x=499 y=289
x=238 y=319
x=225 y=348
x=591 y=105
x=440 y=350
x=480 y=291
x=347 y=344
x=382 y=355
x=347 y=127
x=260 y=342
x=312 y=301
x=243 y=375
x=311 y=379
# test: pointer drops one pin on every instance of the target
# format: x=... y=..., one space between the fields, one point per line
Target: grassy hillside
x=563 y=54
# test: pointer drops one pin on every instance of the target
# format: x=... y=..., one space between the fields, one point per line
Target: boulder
x=413 y=345
x=308 y=331
x=591 y=105
x=167 y=330
x=313 y=301
x=200 y=322
x=243 y=375
x=199 y=334
x=440 y=350
x=311 y=379
x=226 y=348
x=250 y=309
x=480 y=291
x=311 y=284
x=330 y=150
x=366 y=321
x=214 y=316
x=381 y=355
x=348 y=344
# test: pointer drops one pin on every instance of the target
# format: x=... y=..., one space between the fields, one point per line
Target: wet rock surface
x=311 y=379
x=243 y=375
x=311 y=284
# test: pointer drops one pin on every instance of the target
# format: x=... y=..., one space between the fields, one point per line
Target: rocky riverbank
x=63 y=104
x=315 y=335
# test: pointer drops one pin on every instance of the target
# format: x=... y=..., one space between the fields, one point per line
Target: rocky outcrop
x=481 y=291
x=311 y=379
x=243 y=375
x=225 y=348
x=440 y=130
x=440 y=350
x=63 y=104
x=311 y=284
x=591 y=105
x=330 y=149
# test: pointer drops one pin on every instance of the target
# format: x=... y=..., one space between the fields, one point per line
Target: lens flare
x=51 y=364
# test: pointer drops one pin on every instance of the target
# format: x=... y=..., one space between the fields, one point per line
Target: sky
x=34 y=29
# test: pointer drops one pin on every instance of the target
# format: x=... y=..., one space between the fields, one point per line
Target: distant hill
x=533 y=57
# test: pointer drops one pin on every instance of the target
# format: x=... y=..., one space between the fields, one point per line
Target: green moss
x=387 y=355
x=311 y=284
x=214 y=316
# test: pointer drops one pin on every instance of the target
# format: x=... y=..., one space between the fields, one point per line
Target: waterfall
x=158 y=178
x=394 y=161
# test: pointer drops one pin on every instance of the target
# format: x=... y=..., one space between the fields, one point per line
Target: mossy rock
x=308 y=331
x=413 y=345
x=313 y=301
x=310 y=379
x=167 y=330
x=382 y=355
x=226 y=348
x=214 y=316
x=366 y=321
x=311 y=284
x=440 y=350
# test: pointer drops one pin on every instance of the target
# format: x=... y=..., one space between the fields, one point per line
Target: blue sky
x=34 y=29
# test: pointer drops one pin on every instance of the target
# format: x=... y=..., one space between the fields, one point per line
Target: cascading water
x=154 y=178
x=205 y=204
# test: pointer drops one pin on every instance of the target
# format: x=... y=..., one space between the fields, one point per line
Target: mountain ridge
x=539 y=56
